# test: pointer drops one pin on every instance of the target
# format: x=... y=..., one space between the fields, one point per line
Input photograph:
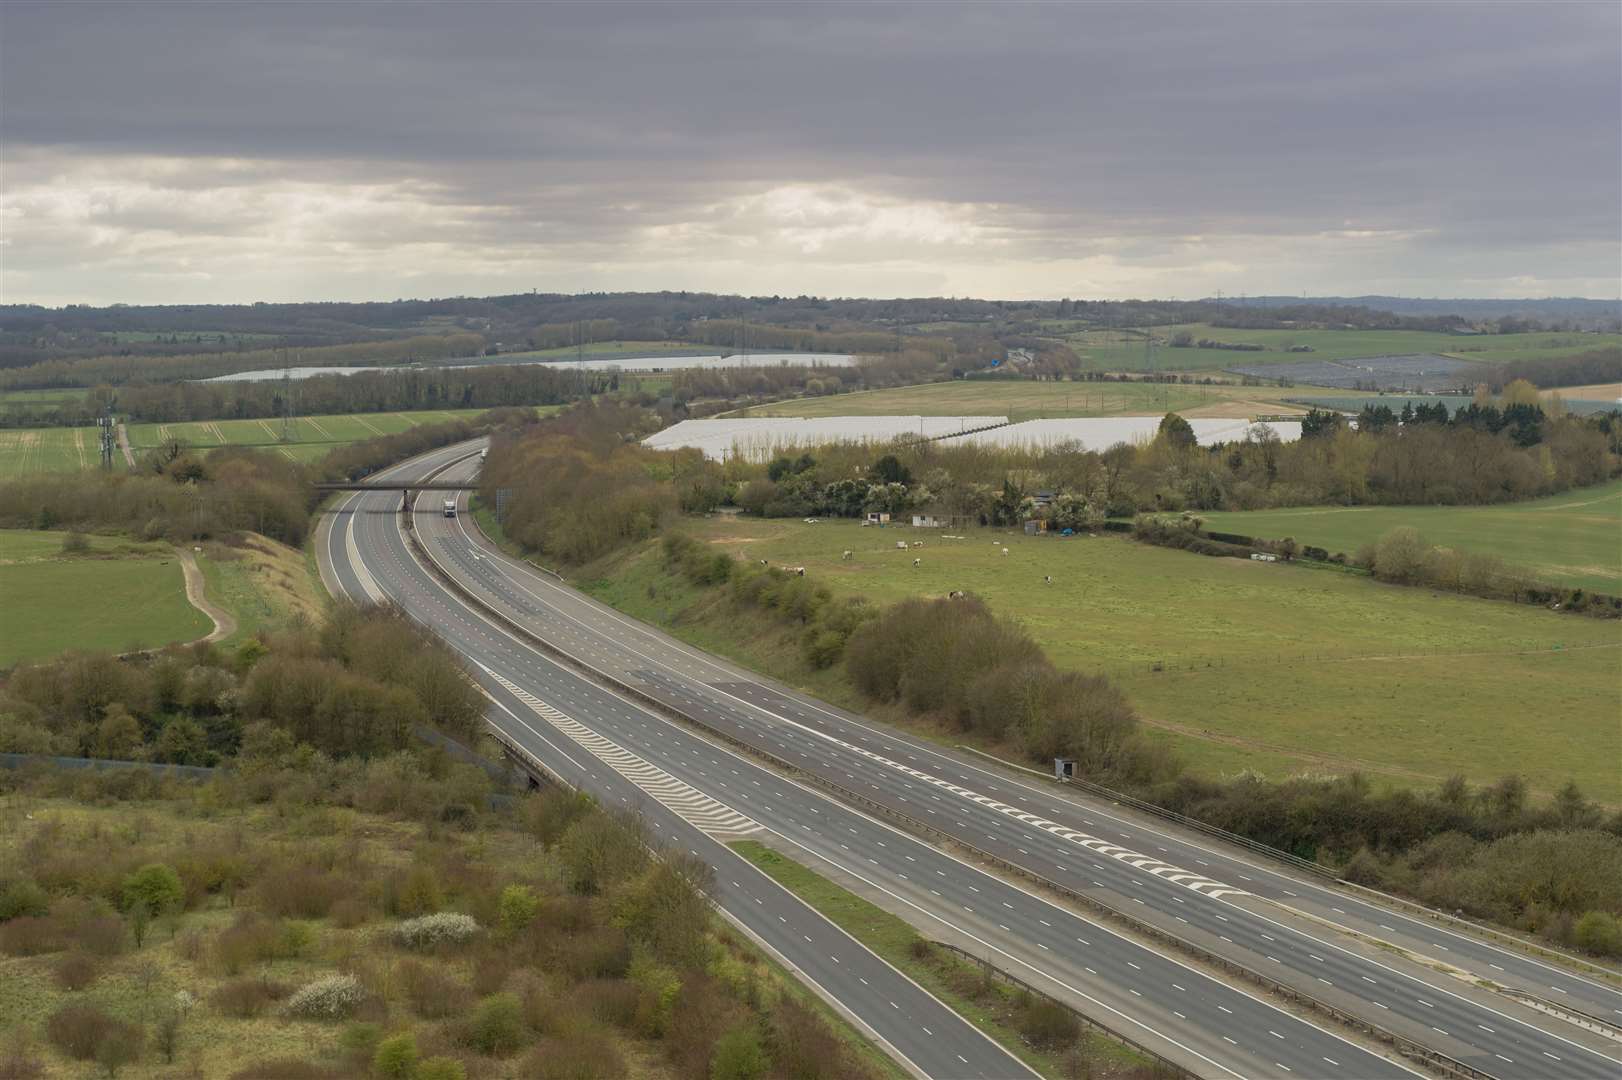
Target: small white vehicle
x=450 y=508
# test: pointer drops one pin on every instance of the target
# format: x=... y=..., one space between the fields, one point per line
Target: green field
x=1029 y=400
x=1115 y=350
x=120 y=597
x=1573 y=539
x=55 y=449
x=51 y=449
x=1272 y=667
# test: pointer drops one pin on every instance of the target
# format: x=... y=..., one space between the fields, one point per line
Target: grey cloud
x=1488 y=126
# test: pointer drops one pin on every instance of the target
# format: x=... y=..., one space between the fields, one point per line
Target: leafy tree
x=154 y=886
x=1177 y=432
x=118 y=735
x=498 y=1025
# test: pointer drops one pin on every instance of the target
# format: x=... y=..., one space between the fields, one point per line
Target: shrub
x=803 y=1046
x=1598 y=932
x=23 y=897
x=302 y=892
x=497 y=1027
x=79 y=1031
x=283 y=1069
x=433 y=993
x=432 y=931
x=29 y=935
x=738 y=1055
x=1048 y=1024
x=332 y=998
x=155 y=887
x=585 y=1056
x=243 y=998
x=396 y=1057
x=610 y=1001
x=75 y=971
x=446 y=1068
x=519 y=905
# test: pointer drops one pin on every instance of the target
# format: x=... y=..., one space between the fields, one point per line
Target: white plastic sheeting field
x=1101 y=433
x=760 y=438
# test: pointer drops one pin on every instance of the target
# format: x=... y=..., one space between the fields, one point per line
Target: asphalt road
x=1192 y=887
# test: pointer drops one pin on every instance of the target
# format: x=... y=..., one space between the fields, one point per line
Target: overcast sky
x=160 y=152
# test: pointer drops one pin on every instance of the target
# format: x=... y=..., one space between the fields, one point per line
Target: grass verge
x=967 y=989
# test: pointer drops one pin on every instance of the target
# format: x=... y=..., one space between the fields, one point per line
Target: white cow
x=901 y=545
x=1005 y=551
x=917 y=563
x=847 y=556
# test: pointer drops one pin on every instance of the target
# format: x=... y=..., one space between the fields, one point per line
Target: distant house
x=877 y=517
x=928 y=521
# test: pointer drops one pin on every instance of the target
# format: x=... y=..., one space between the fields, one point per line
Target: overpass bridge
x=404 y=487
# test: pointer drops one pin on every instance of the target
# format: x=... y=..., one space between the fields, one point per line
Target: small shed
x=928 y=521
x=878 y=517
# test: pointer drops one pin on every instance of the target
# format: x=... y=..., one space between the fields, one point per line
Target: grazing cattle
x=917 y=543
x=901 y=545
x=955 y=594
x=847 y=556
x=763 y=562
x=917 y=562
x=1005 y=551
x=797 y=571
x=1048 y=579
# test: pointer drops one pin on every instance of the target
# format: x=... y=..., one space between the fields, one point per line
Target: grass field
x=121 y=596
x=1113 y=350
x=51 y=449
x=1574 y=538
x=1277 y=668
x=55 y=449
x=1030 y=400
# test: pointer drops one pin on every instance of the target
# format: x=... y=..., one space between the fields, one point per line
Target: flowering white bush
x=331 y=998
x=442 y=928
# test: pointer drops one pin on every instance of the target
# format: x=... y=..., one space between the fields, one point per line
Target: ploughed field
x=1574 y=538
x=1240 y=665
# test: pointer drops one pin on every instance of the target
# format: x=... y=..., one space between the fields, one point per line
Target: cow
x=1005 y=551
x=901 y=545
x=763 y=562
x=1047 y=579
x=956 y=594
x=917 y=563
x=917 y=543
x=847 y=556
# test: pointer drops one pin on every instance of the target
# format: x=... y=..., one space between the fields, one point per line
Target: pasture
x=1029 y=400
x=1574 y=538
x=1115 y=350
x=1273 y=667
x=120 y=596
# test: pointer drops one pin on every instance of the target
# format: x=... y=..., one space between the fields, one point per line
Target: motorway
x=1234 y=906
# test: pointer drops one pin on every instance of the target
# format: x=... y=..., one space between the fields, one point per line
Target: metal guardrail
x=1450 y=1067
x=1412 y=907
x=1160 y=1059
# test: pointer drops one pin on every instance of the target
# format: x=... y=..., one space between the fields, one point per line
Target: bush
x=1598 y=932
x=432 y=931
x=1048 y=1024
x=433 y=993
x=396 y=1057
x=75 y=971
x=23 y=897
x=80 y=1032
x=29 y=935
x=584 y=1056
x=283 y=1069
x=519 y=905
x=738 y=1055
x=445 y=1068
x=497 y=1028
x=243 y=998
x=332 y=998
x=155 y=887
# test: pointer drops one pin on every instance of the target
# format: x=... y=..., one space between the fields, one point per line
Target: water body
x=644 y=364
